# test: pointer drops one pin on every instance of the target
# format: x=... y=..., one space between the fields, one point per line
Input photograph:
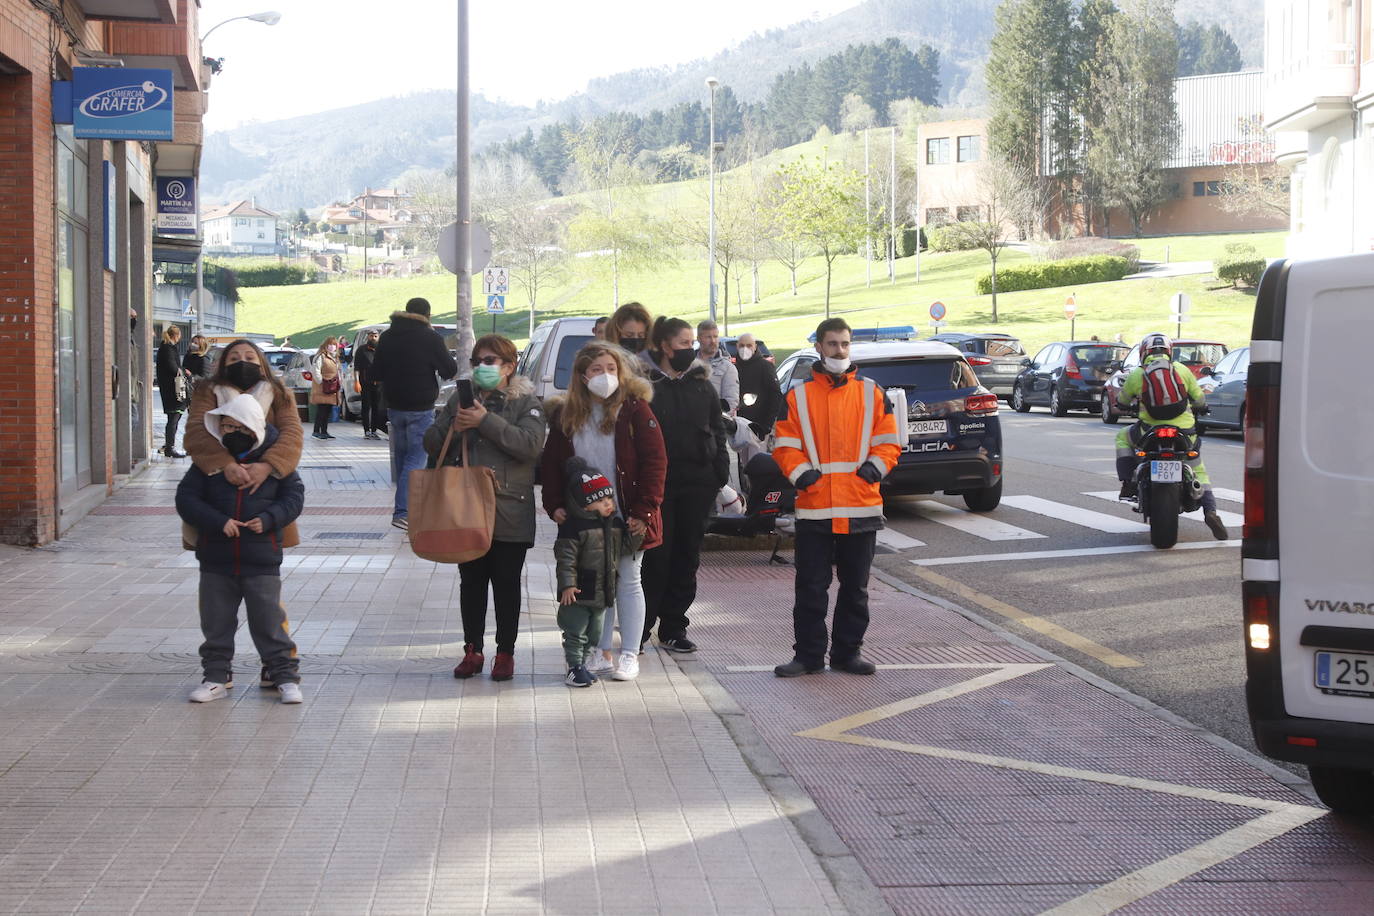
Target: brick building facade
x=78 y=254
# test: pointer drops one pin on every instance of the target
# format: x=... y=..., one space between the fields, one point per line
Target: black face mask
x=238 y=442
x=633 y=344
x=243 y=375
x=682 y=360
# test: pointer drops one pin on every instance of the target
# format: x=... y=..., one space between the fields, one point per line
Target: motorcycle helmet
x=1156 y=343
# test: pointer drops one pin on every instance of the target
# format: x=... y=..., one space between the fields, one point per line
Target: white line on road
x=896 y=540
x=1085 y=517
x=1233 y=519
x=1235 y=496
x=989 y=529
x=1063 y=554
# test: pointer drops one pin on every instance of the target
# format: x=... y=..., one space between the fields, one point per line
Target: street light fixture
x=270 y=17
x=712 y=83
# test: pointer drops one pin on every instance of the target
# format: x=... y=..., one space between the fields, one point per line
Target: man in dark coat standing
x=411 y=357
x=369 y=389
x=760 y=399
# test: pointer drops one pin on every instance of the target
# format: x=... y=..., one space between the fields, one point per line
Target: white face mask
x=745 y=352
x=603 y=385
x=835 y=365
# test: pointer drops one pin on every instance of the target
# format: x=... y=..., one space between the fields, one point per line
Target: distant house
x=240 y=228
x=373 y=210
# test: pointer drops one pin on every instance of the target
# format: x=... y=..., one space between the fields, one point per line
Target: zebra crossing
x=993 y=526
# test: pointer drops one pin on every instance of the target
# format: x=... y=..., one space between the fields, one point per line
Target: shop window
x=968 y=149
x=937 y=216
x=937 y=151
x=969 y=214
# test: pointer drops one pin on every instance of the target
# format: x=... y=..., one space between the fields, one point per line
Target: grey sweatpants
x=220 y=597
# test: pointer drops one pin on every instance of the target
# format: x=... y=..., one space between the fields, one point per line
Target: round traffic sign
x=1070 y=307
x=479 y=243
x=937 y=311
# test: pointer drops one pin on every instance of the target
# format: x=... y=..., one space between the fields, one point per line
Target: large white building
x=1319 y=100
x=240 y=228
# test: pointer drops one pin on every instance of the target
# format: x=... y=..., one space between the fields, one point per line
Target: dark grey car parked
x=1066 y=375
x=995 y=358
x=1225 y=389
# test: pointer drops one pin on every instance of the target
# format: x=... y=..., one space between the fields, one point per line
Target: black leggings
x=501 y=568
x=170 y=434
x=322 y=412
x=669 y=572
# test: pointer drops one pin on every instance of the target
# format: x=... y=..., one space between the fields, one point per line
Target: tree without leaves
x=821 y=206
x=1127 y=151
x=1007 y=194
x=1257 y=189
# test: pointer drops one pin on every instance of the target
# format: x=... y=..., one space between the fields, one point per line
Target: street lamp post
x=268 y=18
x=712 y=83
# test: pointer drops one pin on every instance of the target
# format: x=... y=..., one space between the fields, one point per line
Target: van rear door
x=1326 y=492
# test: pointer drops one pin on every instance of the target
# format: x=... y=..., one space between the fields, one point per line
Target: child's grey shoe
x=290 y=692
x=208 y=691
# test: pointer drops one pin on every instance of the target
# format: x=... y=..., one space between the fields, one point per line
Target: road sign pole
x=464 y=272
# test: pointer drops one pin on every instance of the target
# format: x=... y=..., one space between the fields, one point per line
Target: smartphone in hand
x=466 y=398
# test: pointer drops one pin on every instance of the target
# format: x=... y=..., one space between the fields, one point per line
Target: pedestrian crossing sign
x=496 y=305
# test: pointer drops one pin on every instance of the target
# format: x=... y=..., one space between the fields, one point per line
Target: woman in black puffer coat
x=167 y=366
x=688 y=412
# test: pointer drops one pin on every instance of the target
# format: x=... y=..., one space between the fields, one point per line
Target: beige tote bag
x=451 y=510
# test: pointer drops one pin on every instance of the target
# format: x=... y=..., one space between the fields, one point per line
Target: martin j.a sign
x=176 y=205
x=118 y=103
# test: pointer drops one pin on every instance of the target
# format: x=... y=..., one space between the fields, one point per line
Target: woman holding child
x=504 y=429
x=606 y=421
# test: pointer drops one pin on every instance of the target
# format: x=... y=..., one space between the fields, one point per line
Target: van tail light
x=1257 y=599
x=979 y=361
x=1071 y=368
x=1261 y=471
x=981 y=405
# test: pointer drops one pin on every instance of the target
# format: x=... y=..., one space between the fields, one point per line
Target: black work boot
x=796 y=668
x=1127 y=490
x=1214 y=522
x=855 y=664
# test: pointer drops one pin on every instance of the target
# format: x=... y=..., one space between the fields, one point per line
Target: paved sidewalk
x=975 y=774
x=394 y=788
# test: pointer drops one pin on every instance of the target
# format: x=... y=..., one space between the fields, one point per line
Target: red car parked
x=1195 y=354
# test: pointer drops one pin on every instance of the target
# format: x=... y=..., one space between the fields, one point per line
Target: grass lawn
x=1207 y=247
x=1129 y=307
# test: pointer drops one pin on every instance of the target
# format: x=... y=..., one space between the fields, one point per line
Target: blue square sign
x=117 y=103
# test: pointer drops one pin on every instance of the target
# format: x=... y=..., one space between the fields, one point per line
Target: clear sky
x=331 y=53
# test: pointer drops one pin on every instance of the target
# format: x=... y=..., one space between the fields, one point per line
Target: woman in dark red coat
x=605 y=420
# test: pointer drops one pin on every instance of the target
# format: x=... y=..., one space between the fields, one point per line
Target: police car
x=953 y=435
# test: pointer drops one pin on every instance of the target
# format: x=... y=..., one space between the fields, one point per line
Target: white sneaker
x=597 y=663
x=290 y=692
x=209 y=690
x=628 y=667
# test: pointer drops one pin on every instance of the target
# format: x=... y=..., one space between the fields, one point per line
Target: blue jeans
x=407 y=449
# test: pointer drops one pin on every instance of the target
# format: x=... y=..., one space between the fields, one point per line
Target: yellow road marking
x=1030 y=621
x=1278 y=819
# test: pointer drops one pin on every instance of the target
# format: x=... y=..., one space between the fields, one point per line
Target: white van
x=1308 y=557
x=548 y=357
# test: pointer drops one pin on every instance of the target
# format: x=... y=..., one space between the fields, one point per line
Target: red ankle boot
x=503 y=668
x=471 y=663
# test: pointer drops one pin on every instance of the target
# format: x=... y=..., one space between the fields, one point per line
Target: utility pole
x=366 y=193
x=868 y=217
x=892 y=212
x=464 y=241
x=712 y=83
x=916 y=205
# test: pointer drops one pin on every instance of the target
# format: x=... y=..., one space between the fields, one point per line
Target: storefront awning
x=175 y=251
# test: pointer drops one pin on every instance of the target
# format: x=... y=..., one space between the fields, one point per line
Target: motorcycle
x=1165 y=486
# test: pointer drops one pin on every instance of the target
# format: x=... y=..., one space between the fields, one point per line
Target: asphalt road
x=1163 y=624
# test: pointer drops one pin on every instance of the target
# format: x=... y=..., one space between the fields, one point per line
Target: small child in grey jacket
x=588 y=550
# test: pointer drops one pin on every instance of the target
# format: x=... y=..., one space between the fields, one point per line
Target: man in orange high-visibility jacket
x=836 y=441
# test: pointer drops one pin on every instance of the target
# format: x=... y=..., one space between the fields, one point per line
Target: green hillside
x=1128 y=307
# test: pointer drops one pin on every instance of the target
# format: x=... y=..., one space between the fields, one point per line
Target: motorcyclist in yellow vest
x=1153 y=348
x=836 y=441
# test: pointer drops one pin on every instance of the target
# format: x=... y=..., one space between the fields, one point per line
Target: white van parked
x=548 y=357
x=1308 y=557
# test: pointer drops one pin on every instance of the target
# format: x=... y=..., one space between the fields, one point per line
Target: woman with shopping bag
x=501 y=434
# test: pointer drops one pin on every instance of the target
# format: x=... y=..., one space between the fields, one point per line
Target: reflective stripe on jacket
x=835 y=425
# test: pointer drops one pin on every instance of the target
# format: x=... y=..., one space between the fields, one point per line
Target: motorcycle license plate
x=1346 y=674
x=927 y=427
x=1166 y=471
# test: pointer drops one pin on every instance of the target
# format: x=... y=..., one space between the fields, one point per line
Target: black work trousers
x=851 y=555
x=669 y=572
x=374 y=416
x=169 y=436
x=501 y=569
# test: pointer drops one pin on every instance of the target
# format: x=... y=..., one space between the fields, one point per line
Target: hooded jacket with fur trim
x=508 y=441
x=279 y=407
x=409 y=354
x=641 y=463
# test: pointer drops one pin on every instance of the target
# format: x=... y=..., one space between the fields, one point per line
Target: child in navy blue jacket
x=238 y=543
